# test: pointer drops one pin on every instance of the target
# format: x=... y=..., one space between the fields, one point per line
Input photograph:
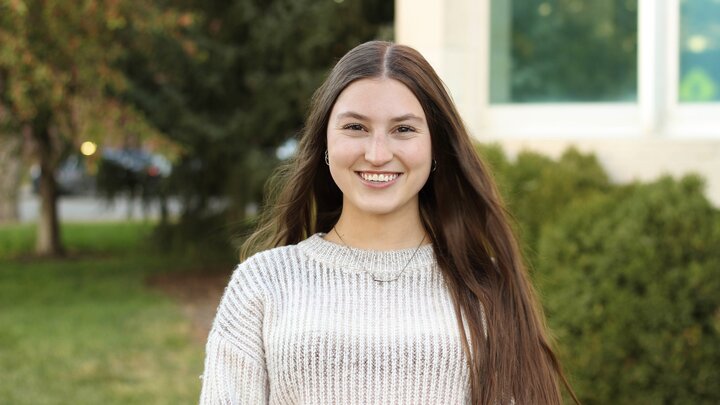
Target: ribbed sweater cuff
x=231 y=377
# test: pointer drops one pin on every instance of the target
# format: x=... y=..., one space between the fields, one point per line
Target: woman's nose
x=378 y=151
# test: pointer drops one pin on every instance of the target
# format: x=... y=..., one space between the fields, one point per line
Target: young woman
x=388 y=272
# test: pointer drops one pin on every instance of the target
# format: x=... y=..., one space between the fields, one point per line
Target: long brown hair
x=508 y=351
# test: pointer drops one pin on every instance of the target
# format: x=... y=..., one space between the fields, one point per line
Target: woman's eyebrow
x=405 y=117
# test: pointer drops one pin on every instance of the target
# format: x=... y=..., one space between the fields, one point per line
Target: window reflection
x=563 y=51
x=699 y=79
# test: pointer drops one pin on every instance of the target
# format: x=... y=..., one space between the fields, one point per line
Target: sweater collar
x=379 y=263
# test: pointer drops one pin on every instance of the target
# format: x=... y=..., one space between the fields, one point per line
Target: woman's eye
x=406 y=129
x=353 y=127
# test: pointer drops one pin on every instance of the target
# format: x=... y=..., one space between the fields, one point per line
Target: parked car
x=133 y=165
x=132 y=172
x=71 y=176
x=139 y=161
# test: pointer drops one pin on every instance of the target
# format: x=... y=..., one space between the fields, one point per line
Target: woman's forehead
x=381 y=98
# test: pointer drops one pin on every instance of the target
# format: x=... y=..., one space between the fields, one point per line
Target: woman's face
x=379 y=147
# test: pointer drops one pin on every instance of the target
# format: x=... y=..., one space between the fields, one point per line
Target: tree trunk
x=48 y=231
x=10 y=159
x=10 y=169
x=163 y=200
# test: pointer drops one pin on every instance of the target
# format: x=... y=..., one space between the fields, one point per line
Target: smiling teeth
x=381 y=178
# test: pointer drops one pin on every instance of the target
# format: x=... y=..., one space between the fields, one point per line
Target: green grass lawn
x=87 y=329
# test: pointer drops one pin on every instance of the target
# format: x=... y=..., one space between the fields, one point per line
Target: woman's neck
x=378 y=232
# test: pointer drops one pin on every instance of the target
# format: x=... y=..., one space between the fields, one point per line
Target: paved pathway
x=87 y=208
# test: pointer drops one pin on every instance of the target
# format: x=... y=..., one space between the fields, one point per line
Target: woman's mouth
x=379 y=178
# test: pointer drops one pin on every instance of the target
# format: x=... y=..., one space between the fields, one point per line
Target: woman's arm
x=231 y=377
x=235 y=370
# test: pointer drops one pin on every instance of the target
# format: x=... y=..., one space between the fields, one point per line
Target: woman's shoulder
x=273 y=256
x=267 y=263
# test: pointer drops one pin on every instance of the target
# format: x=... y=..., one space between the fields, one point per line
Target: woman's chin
x=381 y=208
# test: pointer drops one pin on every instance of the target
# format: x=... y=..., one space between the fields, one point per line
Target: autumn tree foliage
x=59 y=81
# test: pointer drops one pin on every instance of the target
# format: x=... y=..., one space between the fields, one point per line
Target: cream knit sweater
x=307 y=324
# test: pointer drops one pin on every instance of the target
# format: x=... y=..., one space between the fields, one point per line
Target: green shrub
x=631 y=285
x=538 y=189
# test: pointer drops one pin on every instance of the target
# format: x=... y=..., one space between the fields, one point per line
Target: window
x=699 y=51
x=563 y=51
x=603 y=69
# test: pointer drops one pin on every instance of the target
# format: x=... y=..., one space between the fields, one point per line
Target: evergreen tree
x=239 y=88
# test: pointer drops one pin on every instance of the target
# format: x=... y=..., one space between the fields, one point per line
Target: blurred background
x=136 y=138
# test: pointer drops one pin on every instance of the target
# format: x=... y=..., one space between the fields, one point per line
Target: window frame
x=657 y=113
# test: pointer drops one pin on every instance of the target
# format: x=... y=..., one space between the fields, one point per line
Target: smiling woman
x=387 y=270
x=379 y=154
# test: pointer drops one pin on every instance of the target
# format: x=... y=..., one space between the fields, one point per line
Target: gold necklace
x=372 y=275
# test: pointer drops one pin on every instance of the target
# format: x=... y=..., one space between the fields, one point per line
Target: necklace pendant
x=380 y=280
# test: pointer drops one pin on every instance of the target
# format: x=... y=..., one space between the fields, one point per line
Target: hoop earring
x=327 y=158
x=434 y=165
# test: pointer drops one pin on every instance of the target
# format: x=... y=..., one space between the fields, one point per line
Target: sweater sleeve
x=235 y=371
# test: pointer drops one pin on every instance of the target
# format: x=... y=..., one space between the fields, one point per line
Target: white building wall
x=640 y=140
